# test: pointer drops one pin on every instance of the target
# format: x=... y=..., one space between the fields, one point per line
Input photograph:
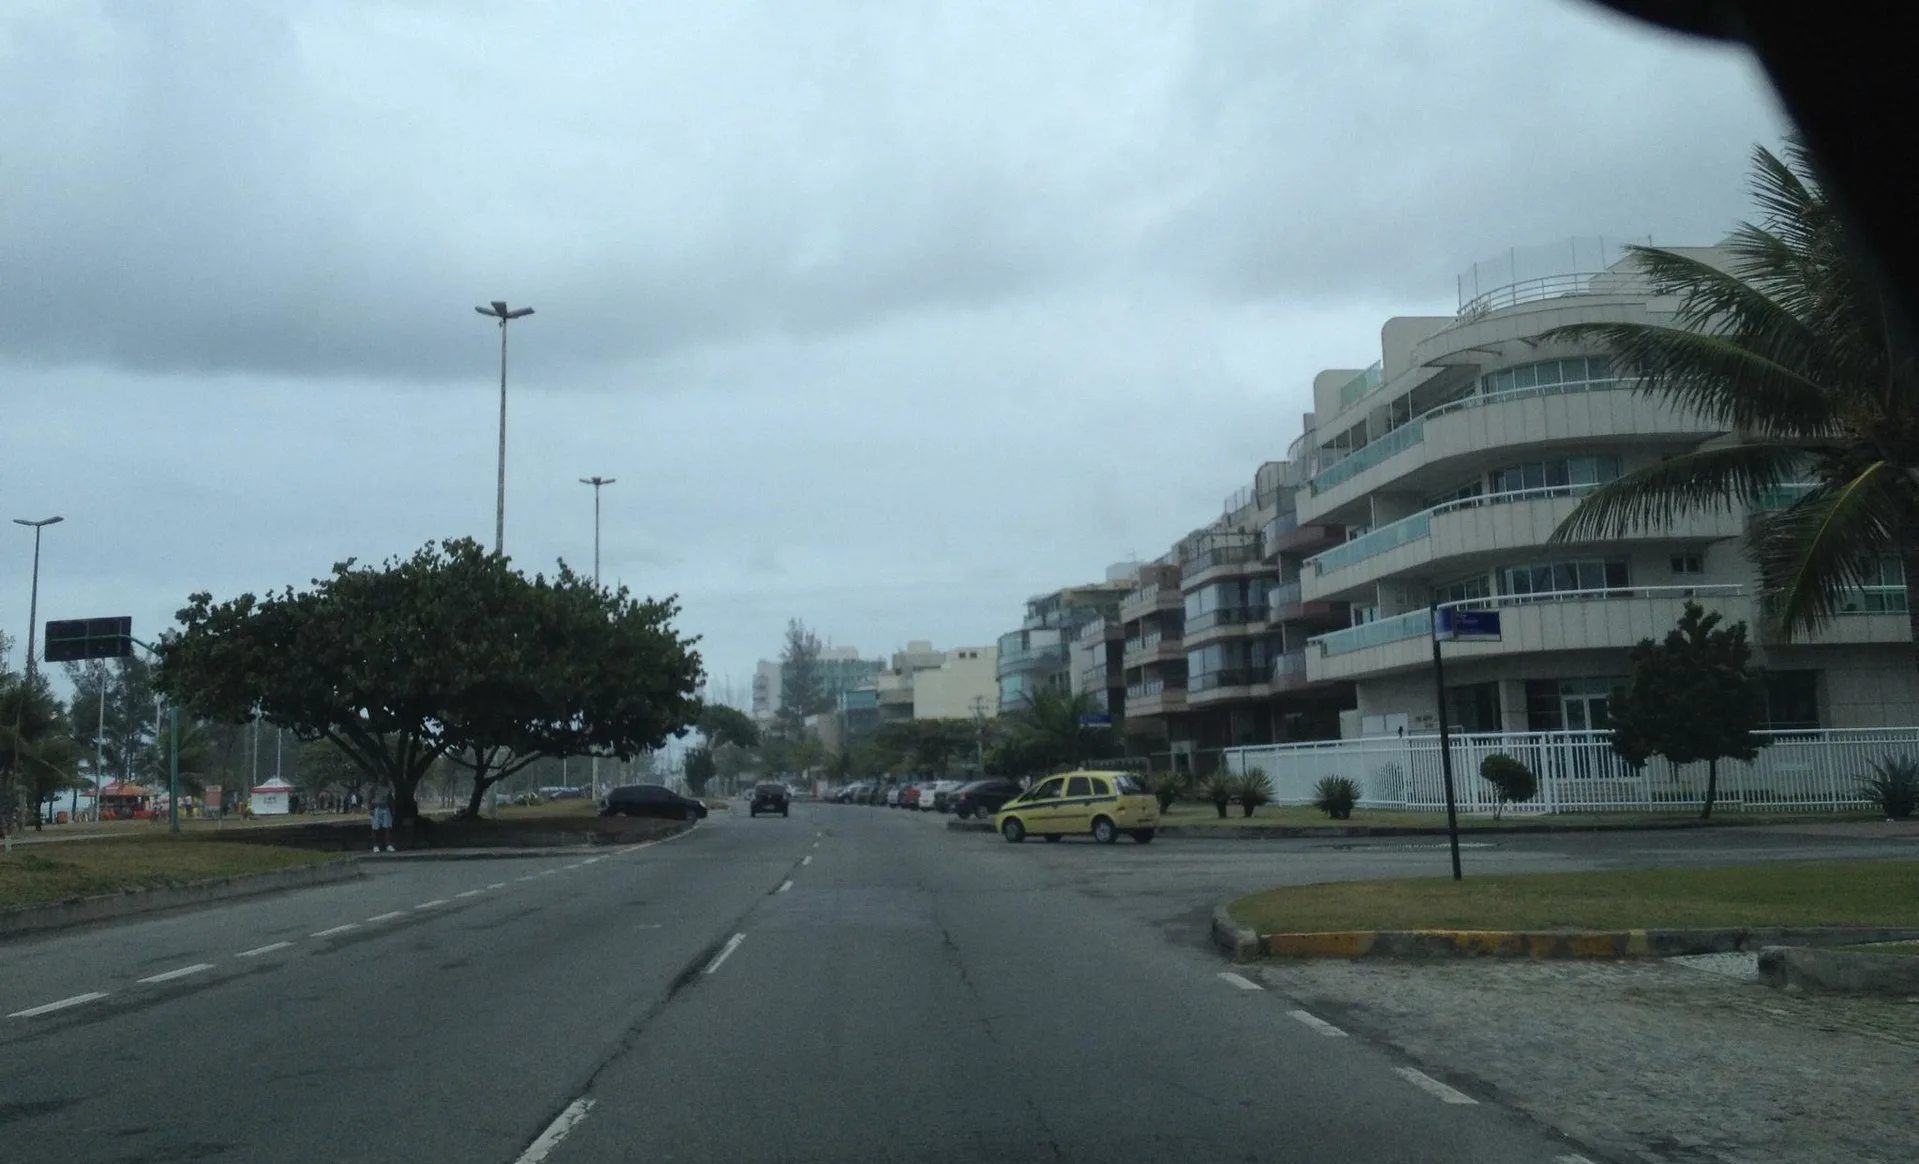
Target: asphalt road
x=847 y=984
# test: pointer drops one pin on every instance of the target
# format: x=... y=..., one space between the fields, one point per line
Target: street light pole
x=499 y=310
x=598 y=483
x=33 y=603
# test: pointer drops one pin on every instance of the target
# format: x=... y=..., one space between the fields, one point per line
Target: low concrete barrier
x=61 y=915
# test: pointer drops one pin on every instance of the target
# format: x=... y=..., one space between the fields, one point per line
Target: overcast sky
x=885 y=315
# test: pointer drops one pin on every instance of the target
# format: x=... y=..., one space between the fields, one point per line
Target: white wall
x=949 y=690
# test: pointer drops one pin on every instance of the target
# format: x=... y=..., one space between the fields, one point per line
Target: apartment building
x=1038 y=654
x=964 y=686
x=1445 y=468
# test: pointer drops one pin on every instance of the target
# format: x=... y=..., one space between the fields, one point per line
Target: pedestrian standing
x=382 y=801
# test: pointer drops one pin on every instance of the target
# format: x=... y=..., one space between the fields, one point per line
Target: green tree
x=39 y=759
x=1693 y=697
x=154 y=765
x=321 y=767
x=1793 y=348
x=721 y=724
x=802 y=679
x=1051 y=730
x=699 y=769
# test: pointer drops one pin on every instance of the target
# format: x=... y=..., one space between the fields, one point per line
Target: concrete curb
x=605 y=841
x=108 y=907
x=1650 y=943
x=1206 y=832
x=1232 y=939
x=1840 y=972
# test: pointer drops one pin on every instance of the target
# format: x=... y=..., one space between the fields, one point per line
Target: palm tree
x=1051 y=729
x=1792 y=349
x=38 y=757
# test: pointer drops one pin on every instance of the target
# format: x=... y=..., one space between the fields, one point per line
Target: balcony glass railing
x=1782 y=496
x=1419 y=525
x=1223 y=616
x=1220 y=556
x=1026 y=658
x=1416 y=623
x=1147 y=688
x=1411 y=625
x=1278 y=527
x=1229 y=677
x=1290 y=667
x=1366 y=456
x=1282 y=596
x=1148 y=641
x=1361 y=385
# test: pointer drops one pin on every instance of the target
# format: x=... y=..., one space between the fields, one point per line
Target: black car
x=769 y=798
x=983 y=798
x=651 y=800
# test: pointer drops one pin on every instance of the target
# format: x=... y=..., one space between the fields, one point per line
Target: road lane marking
x=726 y=951
x=548 y=872
x=1431 y=1086
x=268 y=949
x=1318 y=1024
x=1240 y=981
x=470 y=893
x=431 y=904
x=592 y=860
x=49 y=1008
x=497 y=885
x=528 y=877
x=388 y=916
x=337 y=930
x=182 y=972
x=785 y=885
x=1571 y=1160
x=556 y=1131
x=574 y=865
x=807 y=860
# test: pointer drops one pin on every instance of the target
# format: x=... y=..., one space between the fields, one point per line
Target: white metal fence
x=1579 y=772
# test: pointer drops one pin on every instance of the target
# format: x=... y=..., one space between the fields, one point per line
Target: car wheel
x=1105 y=831
x=783 y=812
x=752 y=812
x=1143 y=836
x=1052 y=838
x=1012 y=830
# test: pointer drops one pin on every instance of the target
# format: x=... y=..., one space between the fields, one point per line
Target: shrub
x=1335 y=796
x=1167 y=786
x=1252 y=789
x=1895 y=788
x=1514 y=782
x=1219 y=788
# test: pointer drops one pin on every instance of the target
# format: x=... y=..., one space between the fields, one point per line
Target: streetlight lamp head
x=499 y=307
x=484 y=311
x=520 y=313
x=45 y=521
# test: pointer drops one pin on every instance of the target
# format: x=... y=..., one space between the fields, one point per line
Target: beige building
x=964 y=685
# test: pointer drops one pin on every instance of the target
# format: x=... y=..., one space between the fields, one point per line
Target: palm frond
x=1703 y=481
x=1816 y=554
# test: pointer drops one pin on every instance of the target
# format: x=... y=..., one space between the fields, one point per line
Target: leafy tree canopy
x=721 y=724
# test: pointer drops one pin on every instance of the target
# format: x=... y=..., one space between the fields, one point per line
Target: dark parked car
x=983 y=798
x=769 y=798
x=650 y=800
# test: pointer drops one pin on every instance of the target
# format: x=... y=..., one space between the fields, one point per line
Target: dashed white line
x=565 y=1122
x=1318 y=1024
x=726 y=951
x=574 y=865
x=592 y=860
x=548 y=872
x=182 y=972
x=785 y=885
x=528 y=877
x=387 y=916
x=807 y=860
x=1432 y=1087
x=431 y=904
x=1571 y=1159
x=267 y=949
x=470 y=893
x=50 y=1007
x=337 y=930
x=1240 y=980
x=497 y=885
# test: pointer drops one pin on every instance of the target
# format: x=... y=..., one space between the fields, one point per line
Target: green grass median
x=1852 y=893
x=1306 y=816
x=40 y=874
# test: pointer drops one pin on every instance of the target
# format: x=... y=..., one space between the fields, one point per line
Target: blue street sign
x=1096 y=719
x=1467 y=626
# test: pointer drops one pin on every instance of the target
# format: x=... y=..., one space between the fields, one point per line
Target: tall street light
x=33 y=603
x=597 y=483
x=499 y=310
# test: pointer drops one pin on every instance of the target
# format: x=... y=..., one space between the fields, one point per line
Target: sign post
x=1448 y=624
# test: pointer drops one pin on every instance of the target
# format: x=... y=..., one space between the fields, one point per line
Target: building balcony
x=1223 y=623
x=1153 y=648
x=1284 y=603
x=1154 y=697
x=1210 y=687
x=1486 y=525
x=1289 y=672
x=1218 y=562
x=1566 y=413
x=1284 y=535
x=891 y=695
x=1153 y=596
x=1044 y=657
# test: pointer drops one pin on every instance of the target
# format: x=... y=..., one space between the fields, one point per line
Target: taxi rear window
x=1129 y=785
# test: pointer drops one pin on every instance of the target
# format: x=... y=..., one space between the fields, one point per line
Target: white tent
x=274 y=798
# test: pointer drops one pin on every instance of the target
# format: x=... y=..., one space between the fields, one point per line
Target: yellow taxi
x=1104 y=804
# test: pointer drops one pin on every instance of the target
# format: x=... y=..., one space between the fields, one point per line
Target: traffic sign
x=70 y=640
x=1466 y=626
x=1096 y=719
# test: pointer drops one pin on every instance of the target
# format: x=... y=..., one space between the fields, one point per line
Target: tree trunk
x=1221 y=805
x=1712 y=788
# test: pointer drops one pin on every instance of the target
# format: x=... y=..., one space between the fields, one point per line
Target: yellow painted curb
x=1464 y=943
x=1330 y=945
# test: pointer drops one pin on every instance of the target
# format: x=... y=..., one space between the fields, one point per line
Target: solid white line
x=548 y=872
x=556 y=1131
x=732 y=944
x=1431 y=1086
x=470 y=893
x=337 y=930
x=182 y=972
x=497 y=885
x=1571 y=1159
x=1240 y=981
x=528 y=877
x=574 y=865
x=785 y=885
x=63 y=1004
x=1318 y=1024
x=431 y=904
x=807 y=860
x=388 y=916
x=263 y=949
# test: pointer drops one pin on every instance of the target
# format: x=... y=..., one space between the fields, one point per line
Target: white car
x=925 y=801
x=893 y=797
x=942 y=793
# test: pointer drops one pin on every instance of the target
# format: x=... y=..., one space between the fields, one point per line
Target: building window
x=1472 y=488
x=1464 y=590
x=1792 y=700
x=1474 y=707
x=1558 y=577
x=1364 y=614
x=1884 y=591
x=1576 y=374
x=1570 y=472
x=1688 y=564
x=1570 y=705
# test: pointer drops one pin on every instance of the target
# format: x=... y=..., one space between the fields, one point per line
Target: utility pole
x=979 y=734
x=499 y=310
x=598 y=483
